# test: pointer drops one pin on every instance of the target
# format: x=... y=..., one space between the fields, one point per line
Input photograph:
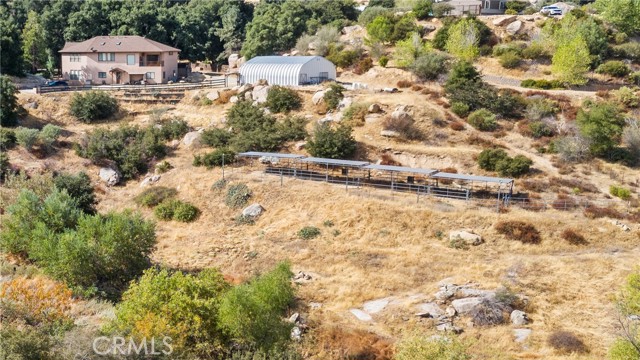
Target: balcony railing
x=151 y=63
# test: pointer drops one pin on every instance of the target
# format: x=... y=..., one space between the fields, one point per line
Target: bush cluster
x=282 y=99
x=566 y=342
x=460 y=109
x=573 y=237
x=519 y=231
x=238 y=195
x=354 y=115
x=132 y=149
x=154 y=195
x=79 y=187
x=535 y=51
x=173 y=128
x=619 y=191
x=539 y=108
x=510 y=60
x=498 y=160
x=331 y=143
x=542 y=84
x=215 y=158
x=45 y=138
x=308 y=232
x=425 y=347
x=614 y=68
x=483 y=120
x=430 y=65
x=7 y=138
x=172 y=209
x=93 y=105
x=540 y=129
x=333 y=96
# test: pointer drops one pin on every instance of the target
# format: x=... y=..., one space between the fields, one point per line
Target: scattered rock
x=521 y=334
x=448 y=327
x=446 y=292
x=349 y=29
x=375 y=306
x=374 y=108
x=234 y=99
x=467 y=236
x=233 y=61
x=300 y=145
x=401 y=115
x=450 y=311
x=244 y=88
x=213 y=95
x=468 y=292
x=390 y=133
x=318 y=97
x=150 y=180
x=504 y=20
x=514 y=27
x=326 y=119
x=192 y=138
x=268 y=160
x=259 y=93
x=302 y=277
x=390 y=90
x=430 y=309
x=31 y=105
x=622 y=226
x=296 y=334
x=345 y=102
x=519 y=318
x=464 y=306
x=428 y=28
x=361 y=315
x=253 y=210
x=110 y=176
x=294 y=318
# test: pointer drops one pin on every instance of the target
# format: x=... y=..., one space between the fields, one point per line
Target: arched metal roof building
x=287 y=70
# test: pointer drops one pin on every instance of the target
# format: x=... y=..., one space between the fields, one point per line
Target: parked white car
x=551 y=10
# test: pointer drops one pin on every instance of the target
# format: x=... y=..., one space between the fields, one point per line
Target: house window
x=131 y=59
x=150 y=75
x=102 y=75
x=75 y=74
x=153 y=58
x=324 y=75
x=74 y=58
x=164 y=75
x=106 y=56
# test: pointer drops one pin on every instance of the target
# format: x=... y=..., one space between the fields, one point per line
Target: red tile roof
x=116 y=44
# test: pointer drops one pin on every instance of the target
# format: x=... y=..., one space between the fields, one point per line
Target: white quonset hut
x=287 y=70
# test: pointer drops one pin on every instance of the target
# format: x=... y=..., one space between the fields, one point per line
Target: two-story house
x=119 y=60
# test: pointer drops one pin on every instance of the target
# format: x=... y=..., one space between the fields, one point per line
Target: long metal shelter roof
x=442 y=175
x=268 y=154
x=335 y=162
x=401 y=169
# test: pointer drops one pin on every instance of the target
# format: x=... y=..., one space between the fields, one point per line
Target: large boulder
x=374 y=108
x=429 y=309
x=192 y=139
x=213 y=95
x=514 y=27
x=234 y=99
x=428 y=28
x=519 y=318
x=259 y=93
x=349 y=29
x=150 y=180
x=390 y=133
x=466 y=305
x=318 y=97
x=110 y=176
x=375 y=306
x=244 y=88
x=504 y=20
x=233 y=61
x=345 y=103
x=467 y=236
x=253 y=210
x=361 y=315
x=401 y=115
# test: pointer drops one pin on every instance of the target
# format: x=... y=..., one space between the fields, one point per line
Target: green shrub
x=8 y=102
x=26 y=137
x=26 y=343
x=155 y=195
x=423 y=347
x=422 y=9
x=602 y=124
x=542 y=84
x=634 y=78
x=333 y=96
x=238 y=195
x=626 y=97
x=510 y=12
x=166 y=209
x=174 y=128
x=292 y=128
x=282 y=99
x=619 y=191
x=5 y=166
x=129 y=147
x=623 y=349
x=630 y=50
x=163 y=166
x=252 y=129
x=372 y=12
x=540 y=129
x=517 y=6
x=354 y=115
x=502 y=49
x=7 y=138
x=430 y=65
x=165 y=303
x=483 y=120
x=252 y=313
x=535 y=51
x=185 y=212
x=540 y=108
x=219 y=184
x=93 y=105
x=342 y=58
x=620 y=38
x=489 y=158
x=308 y=232
x=48 y=135
x=514 y=167
x=215 y=158
x=216 y=137
x=332 y=143
x=78 y=187
x=383 y=61
x=441 y=9
x=460 y=109
x=510 y=60
x=614 y=68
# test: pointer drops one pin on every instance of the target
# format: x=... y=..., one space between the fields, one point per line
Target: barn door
x=303 y=79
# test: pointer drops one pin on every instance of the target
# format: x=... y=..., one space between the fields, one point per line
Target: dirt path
x=513 y=83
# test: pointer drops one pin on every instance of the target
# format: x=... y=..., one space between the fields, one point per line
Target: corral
x=396 y=178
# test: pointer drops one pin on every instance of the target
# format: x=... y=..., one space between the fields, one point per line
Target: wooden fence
x=213 y=83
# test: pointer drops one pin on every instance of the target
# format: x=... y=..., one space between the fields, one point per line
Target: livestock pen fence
x=414 y=186
x=219 y=82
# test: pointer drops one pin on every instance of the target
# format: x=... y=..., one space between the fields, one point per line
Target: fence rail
x=221 y=82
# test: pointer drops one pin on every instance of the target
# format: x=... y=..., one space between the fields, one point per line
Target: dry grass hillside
x=377 y=246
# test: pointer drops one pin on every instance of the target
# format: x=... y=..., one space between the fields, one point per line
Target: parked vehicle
x=61 y=83
x=551 y=10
